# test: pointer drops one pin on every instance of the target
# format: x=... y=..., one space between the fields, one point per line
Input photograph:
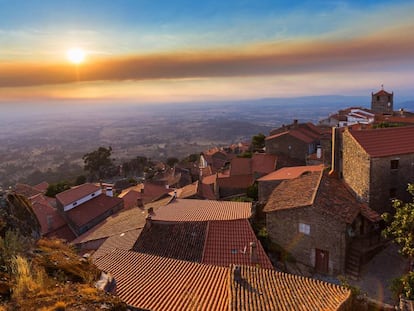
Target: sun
x=76 y=55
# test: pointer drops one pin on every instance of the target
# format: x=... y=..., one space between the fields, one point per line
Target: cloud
x=378 y=51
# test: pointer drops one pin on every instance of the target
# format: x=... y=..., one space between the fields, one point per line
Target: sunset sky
x=167 y=51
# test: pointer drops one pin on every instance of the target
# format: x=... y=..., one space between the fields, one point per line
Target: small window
x=93 y=194
x=393 y=193
x=394 y=164
x=304 y=228
x=76 y=203
x=378 y=98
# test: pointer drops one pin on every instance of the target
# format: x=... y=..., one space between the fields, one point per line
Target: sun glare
x=76 y=55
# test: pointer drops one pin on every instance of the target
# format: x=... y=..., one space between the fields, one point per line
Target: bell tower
x=382 y=101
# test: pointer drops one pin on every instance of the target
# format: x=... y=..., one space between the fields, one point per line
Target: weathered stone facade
x=382 y=102
x=325 y=234
x=356 y=167
x=373 y=179
x=290 y=146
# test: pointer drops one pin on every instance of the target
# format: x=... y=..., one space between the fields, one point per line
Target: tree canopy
x=258 y=142
x=99 y=163
x=401 y=225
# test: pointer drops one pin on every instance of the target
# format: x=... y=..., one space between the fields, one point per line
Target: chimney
x=295 y=123
x=109 y=192
x=150 y=211
x=237 y=274
x=149 y=221
x=140 y=203
x=318 y=152
x=253 y=252
x=142 y=189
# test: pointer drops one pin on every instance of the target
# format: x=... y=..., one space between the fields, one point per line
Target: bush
x=12 y=245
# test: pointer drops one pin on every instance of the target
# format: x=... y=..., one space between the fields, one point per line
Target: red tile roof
x=86 y=212
x=386 y=142
x=186 y=191
x=182 y=240
x=156 y=283
x=263 y=289
x=49 y=218
x=207 y=192
x=64 y=233
x=42 y=186
x=148 y=192
x=240 y=166
x=263 y=163
x=291 y=172
x=123 y=241
x=202 y=210
x=76 y=193
x=26 y=190
x=228 y=242
x=382 y=92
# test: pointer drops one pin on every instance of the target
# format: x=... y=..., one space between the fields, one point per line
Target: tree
x=258 y=142
x=401 y=229
x=99 y=163
x=172 y=161
x=81 y=179
x=401 y=225
x=53 y=189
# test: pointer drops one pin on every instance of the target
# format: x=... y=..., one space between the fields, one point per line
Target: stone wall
x=388 y=183
x=355 y=167
x=266 y=187
x=287 y=145
x=326 y=234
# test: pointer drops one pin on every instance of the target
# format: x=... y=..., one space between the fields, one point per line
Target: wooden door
x=321 y=261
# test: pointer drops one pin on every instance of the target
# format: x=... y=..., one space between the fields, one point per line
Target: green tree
x=401 y=225
x=53 y=189
x=81 y=179
x=99 y=163
x=172 y=161
x=258 y=142
x=401 y=229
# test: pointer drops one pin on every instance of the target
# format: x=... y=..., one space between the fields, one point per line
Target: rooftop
x=183 y=240
x=71 y=195
x=386 y=142
x=263 y=289
x=157 y=283
x=48 y=216
x=228 y=242
x=88 y=211
x=315 y=189
x=202 y=210
x=263 y=163
x=290 y=172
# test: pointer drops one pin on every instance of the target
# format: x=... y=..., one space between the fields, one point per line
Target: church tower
x=382 y=102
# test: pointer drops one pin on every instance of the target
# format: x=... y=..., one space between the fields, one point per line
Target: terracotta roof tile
x=206 y=192
x=148 y=192
x=26 y=190
x=263 y=289
x=124 y=220
x=228 y=242
x=186 y=191
x=123 y=241
x=240 y=166
x=76 y=193
x=64 y=233
x=382 y=92
x=156 y=283
x=263 y=163
x=85 y=212
x=42 y=186
x=202 y=210
x=386 y=141
x=48 y=216
x=183 y=240
x=315 y=189
x=293 y=193
x=291 y=172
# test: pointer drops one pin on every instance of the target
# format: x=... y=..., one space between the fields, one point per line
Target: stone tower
x=382 y=102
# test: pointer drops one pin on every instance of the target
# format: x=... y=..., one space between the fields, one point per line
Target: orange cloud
x=372 y=52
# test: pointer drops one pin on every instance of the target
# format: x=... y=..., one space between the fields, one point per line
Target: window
x=378 y=98
x=74 y=204
x=304 y=228
x=394 y=164
x=93 y=194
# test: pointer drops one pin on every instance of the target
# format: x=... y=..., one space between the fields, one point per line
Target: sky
x=144 y=51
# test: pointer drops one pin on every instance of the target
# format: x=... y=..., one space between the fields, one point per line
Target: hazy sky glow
x=166 y=51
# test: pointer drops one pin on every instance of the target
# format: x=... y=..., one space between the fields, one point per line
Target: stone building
x=382 y=102
x=318 y=228
x=378 y=164
x=296 y=141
